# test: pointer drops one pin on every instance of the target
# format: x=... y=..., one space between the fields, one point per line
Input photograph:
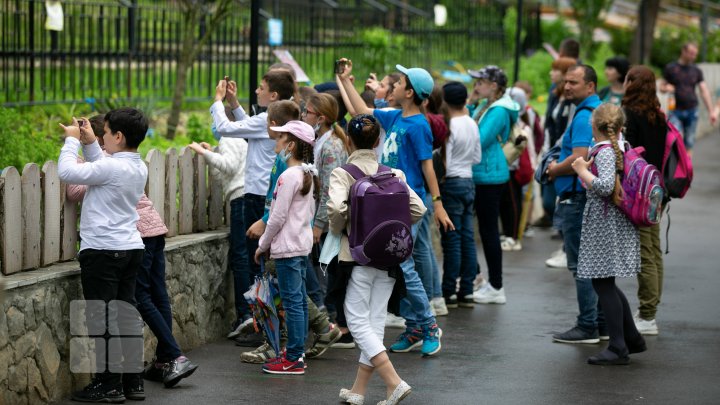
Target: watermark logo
x=106 y=337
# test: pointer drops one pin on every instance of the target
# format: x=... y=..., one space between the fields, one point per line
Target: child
x=368 y=289
x=408 y=147
x=461 y=152
x=228 y=165
x=111 y=248
x=288 y=231
x=609 y=242
x=275 y=85
x=169 y=365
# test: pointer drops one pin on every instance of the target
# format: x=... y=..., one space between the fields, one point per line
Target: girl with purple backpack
x=369 y=288
x=609 y=242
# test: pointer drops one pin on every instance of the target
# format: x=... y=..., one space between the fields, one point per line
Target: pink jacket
x=149 y=224
x=288 y=232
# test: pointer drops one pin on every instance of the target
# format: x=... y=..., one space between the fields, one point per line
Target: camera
x=81 y=123
x=340 y=66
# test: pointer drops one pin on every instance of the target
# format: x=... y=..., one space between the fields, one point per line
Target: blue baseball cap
x=420 y=80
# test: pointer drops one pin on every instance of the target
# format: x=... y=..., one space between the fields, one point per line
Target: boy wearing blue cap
x=408 y=147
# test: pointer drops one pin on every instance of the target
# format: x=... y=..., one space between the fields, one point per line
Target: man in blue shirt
x=580 y=87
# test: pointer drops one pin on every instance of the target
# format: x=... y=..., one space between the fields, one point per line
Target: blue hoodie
x=495 y=122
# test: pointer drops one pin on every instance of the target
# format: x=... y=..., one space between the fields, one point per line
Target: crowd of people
x=290 y=172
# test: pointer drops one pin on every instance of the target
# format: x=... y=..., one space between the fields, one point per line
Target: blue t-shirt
x=278 y=168
x=578 y=135
x=408 y=141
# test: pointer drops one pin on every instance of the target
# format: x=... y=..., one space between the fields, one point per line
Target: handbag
x=516 y=143
x=549 y=156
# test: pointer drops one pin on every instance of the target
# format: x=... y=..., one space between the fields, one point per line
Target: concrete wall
x=35 y=326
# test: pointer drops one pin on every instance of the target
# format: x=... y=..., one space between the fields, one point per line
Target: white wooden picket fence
x=39 y=227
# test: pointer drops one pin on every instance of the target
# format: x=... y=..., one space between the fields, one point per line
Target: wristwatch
x=437 y=198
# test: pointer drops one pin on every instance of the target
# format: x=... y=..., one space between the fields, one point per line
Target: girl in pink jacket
x=288 y=237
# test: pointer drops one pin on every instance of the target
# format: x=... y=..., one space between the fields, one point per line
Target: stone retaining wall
x=35 y=326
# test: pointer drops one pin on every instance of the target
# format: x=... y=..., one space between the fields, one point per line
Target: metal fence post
x=132 y=43
x=518 y=39
x=31 y=44
x=254 y=49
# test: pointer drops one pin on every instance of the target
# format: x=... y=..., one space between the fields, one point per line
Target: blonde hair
x=327 y=106
x=609 y=119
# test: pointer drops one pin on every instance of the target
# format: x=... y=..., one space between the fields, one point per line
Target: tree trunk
x=187 y=55
x=647 y=16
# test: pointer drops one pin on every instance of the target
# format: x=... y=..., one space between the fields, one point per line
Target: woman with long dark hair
x=646 y=126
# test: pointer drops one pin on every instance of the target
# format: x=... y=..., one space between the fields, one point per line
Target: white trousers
x=366 y=301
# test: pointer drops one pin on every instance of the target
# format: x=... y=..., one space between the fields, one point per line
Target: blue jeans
x=415 y=307
x=152 y=298
x=460 y=256
x=686 y=122
x=570 y=214
x=424 y=255
x=239 y=257
x=314 y=290
x=291 y=274
x=253 y=210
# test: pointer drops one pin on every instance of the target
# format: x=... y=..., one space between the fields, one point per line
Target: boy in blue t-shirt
x=408 y=147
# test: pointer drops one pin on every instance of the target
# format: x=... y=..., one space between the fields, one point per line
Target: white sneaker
x=529 y=232
x=438 y=303
x=558 y=260
x=479 y=283
x=510 y=244
x=489 y=295
x=644 y=326
x=240 y=328
x=392 y=321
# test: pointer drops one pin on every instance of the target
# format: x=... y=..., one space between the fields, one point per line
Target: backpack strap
x=353 y=170
x=359 y=174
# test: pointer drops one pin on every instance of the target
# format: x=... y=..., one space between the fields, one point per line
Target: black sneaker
x=451 y=301
x=178 y=369
x=249 y=340
x=100 y=391
x=577 y=335
x=466 y=302
x=154 y=371
x=133 y=387
x=346 y=341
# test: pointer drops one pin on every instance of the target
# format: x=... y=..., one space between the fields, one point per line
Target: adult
x=646 y=127
x=616 y=69
x=681 y=78
x=580 y=85
x=495 y=116
x=557 y=117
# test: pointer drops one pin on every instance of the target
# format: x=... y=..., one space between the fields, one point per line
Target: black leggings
x=487 y=209
x=511 y=207
x=618 y=317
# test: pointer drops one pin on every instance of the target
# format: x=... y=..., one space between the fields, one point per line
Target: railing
x=109 y=50
x=38 y=225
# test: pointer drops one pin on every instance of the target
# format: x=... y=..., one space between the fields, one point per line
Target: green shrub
x=22 y=140
x=553 y=32
x=198 y=128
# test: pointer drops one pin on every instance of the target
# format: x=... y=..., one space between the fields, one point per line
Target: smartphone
x=340 y=66
x=81 y=123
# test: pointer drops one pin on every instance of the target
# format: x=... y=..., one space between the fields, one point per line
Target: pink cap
x=300 y=129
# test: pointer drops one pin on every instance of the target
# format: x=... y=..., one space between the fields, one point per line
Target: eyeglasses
x=307 y=112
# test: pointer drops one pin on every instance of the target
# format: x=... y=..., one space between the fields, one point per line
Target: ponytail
x=617 y=195
x=304 y=153
x=340 y=134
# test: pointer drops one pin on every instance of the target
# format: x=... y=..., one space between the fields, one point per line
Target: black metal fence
x=122 y=49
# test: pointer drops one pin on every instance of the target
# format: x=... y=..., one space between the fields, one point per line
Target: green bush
x=198 y=128
x=22 y=140
x=553 y=32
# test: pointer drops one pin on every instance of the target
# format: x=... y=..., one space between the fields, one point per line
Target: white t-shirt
x=463 y=148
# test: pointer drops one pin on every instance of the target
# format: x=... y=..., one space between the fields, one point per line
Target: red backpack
x=677 y=167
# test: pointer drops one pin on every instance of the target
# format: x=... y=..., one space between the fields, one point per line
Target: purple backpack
x=380 y=234
x=642 y=187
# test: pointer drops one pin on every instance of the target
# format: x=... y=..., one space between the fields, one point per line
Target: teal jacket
x=495 y=122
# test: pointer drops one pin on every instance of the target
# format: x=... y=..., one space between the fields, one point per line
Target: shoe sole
x=299 y=372
x=615 y=362
x=466 y=304
x=136 y=397
x=582 y=341
x=410 y=348
x=498 y=302
x=604 y=338
x=395 y=325
x=118 y=400
x=343 y=345
x=176 y=380
x=651 y=332
x=451 y=306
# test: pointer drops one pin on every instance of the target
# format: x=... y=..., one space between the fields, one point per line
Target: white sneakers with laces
x=558 y=260
x=489 y=295
x=645 y=326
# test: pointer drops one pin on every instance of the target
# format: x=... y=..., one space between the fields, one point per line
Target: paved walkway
x=505 y=355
